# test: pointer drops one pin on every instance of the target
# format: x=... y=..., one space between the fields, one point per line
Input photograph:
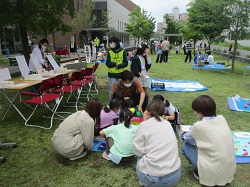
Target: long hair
x=156 y=109
x=125 y=116
x=93 y=108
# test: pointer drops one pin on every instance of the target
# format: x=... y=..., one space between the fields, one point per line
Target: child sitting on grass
x=108 y=115
x=119 y=139
x=169 y=108
x=155 y=145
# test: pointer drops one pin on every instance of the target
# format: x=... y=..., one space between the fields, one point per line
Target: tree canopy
x=36 y=17
x=141 y=25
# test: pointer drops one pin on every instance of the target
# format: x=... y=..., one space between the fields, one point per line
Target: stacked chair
x=69 y=88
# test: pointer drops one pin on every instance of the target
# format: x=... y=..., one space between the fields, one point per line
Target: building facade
x=117 y=10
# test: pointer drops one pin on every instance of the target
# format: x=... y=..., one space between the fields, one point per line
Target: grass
x=35 y=163
x=226 y=44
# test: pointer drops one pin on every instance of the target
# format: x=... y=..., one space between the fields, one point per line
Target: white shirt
x=210 y=59
x=38 y=52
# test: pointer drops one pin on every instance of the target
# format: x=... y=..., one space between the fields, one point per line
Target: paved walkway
x=14 y=70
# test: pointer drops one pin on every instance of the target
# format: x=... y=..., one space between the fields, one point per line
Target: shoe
x=140 y=183
x=196 y=174
x=80 y=156
x=104 y=155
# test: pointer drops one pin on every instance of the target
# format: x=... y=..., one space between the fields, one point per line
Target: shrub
x=224 y=51
x=4 y=61
x=237 y=53
x=214 y=49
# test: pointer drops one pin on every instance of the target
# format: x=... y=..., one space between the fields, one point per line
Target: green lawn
x=35 y=163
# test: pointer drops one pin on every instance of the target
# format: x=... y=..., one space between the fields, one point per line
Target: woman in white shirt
x=155 y=145
x=39 y=50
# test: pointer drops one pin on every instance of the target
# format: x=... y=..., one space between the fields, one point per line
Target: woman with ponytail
x=155 y=145
x=119 y=139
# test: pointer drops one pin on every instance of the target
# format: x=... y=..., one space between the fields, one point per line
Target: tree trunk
x=23 y=30
x=234 y=52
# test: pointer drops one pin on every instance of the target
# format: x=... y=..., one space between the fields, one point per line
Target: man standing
x=189 y=50
x=97 y=43
x=165 y=49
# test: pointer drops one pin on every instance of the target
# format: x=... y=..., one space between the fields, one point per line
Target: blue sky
x=160 y=7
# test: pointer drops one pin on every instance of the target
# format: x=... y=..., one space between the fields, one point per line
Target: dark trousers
x=158 y=58
x=164 y=56
x=136 y=98
x=188 y=55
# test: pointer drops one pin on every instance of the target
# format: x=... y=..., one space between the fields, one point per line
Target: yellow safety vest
x=117 y=58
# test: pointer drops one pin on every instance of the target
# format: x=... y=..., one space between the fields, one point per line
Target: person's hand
x=140 y=108
x=117 y=65
x=165 y=118
x=140 y=74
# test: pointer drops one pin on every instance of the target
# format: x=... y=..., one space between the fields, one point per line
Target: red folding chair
x=62 y=87
x=42 y=98
x=93 y=76
x=85 y=83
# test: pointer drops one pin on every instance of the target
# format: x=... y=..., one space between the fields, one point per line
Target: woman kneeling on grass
x=155 y=145
x=209 y=145
x=75 y=135
x=119 y=139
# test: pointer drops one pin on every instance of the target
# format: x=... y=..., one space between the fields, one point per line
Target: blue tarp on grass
x=238 y=105
x=175 y=86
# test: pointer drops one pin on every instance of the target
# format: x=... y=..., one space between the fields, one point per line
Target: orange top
x=128 y=92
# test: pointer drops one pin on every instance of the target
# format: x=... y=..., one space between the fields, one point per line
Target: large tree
x=238 y=12
x=41 y=17
x=172 y=27
x=208 y=17
x=141 y=25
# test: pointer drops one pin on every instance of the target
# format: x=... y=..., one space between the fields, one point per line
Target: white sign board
x=23 y=66
x=52 y=61
x=36 y=62
x=4 y=74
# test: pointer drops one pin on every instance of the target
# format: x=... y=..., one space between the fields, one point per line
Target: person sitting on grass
x=75 y=135
x=169 y=108
x=210 y=58
x=155 y=145
x=119 y=139
x=209 y=145
x=108 y=115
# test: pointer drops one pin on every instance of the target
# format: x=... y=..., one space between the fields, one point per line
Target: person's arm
x=139 y=143
x=87 y=132
x=170 y=117
x=134 y=67
x=124 y=61
x=142 y=94
x=38 y=53
x=115 y=87
x=102 y=133
x=186 y=137
x=110 y=64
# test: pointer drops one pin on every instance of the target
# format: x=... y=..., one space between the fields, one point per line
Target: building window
x=99 y=8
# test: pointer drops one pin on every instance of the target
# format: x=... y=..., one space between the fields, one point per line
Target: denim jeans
x=111 y=83
x=191 y=154
x=167 y=181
